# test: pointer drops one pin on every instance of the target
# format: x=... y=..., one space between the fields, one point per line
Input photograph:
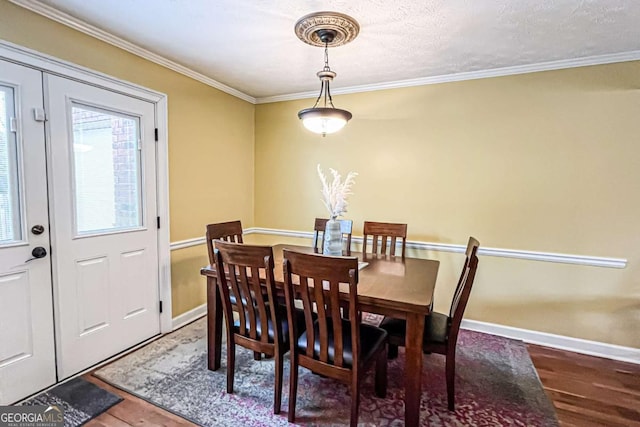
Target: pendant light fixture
x=325 y=29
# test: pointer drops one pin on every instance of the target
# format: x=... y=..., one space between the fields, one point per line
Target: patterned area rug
x=497 y=385
x=80 y=399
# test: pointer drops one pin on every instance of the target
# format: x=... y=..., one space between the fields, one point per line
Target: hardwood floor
x=133 y=411
x=589 y=391
x=586 y=391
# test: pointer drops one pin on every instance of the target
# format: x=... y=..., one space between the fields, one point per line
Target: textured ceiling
x=250 y=45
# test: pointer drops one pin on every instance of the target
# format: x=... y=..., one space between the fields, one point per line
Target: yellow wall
x=543 y=162
x=546 y=161
x=205 y=125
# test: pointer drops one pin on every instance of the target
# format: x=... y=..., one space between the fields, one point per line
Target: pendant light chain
x=326 y=56
x=326 y=68
x=325 y=90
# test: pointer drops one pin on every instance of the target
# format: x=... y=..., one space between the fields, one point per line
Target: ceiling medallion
x=346 y=28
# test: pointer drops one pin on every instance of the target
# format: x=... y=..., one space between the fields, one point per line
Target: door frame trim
x=46 y=63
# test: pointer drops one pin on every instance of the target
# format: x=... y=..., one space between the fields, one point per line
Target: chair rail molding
x=586 y=260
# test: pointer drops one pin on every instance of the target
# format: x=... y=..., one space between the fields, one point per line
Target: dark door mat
x=80 y=400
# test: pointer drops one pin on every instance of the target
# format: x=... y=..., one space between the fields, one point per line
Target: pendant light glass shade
x=327 y=118
x=324 y=120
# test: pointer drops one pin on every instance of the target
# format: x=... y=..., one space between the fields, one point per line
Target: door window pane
x=107 y=171
x=10 y=224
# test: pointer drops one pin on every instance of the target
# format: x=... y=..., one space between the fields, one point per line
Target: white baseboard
x=576 y=345
x=189 y=316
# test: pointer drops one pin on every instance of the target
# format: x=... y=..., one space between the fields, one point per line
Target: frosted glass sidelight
x=10 y=217
x=107 y=170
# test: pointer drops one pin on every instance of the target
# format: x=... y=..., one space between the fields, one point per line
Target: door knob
x=37 y=252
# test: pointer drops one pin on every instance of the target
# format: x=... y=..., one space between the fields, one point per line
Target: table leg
x=413 y=369
x=214 y=324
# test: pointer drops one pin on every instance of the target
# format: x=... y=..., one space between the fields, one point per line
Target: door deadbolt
x=37 y=229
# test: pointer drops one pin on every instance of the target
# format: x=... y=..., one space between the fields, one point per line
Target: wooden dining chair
x=260 y=328
x=441 y=331
x=346 y=226
x=333 y=346
x=384 y=235
x=230 y=231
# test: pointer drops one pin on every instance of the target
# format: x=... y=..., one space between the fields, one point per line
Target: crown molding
x=592 y=261
x=24 y=56
x=79 y=25
x=471 y=75
x=83 y=27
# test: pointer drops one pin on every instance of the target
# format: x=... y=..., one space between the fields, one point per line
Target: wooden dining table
x=390 y=285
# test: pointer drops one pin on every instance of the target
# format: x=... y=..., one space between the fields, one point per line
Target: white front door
x=27 y=355
x=105 y=237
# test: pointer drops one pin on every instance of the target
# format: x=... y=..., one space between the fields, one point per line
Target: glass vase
x=332 y=238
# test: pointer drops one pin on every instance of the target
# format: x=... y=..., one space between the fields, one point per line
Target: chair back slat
x=336 y=317
x=246 y=272
x=472 y=246
x=239 y=294
x=230 y=231
x=322 y=309
x=387 y=234
x=254 y=287
x=249 y=309
x=257 y=289
x=463 y=290
x=308 y=307
x=346 y=228
x=323 y=276
x=459 y=287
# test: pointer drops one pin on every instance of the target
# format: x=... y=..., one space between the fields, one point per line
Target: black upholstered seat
x=284 y=325
x=371 y=338
x=435 y=327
